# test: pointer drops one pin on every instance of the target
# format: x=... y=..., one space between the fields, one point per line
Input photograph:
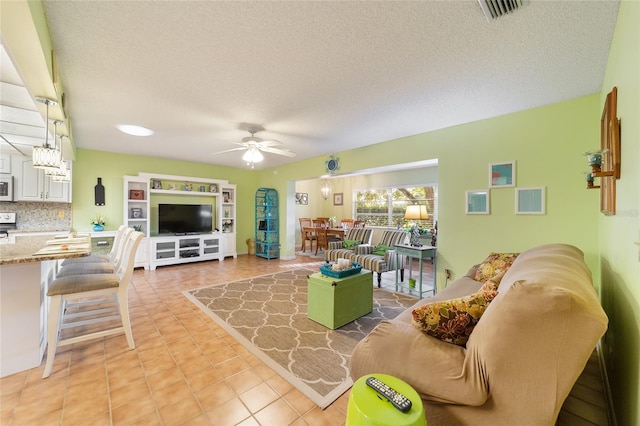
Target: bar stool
x=99 y=267
x=98 y=297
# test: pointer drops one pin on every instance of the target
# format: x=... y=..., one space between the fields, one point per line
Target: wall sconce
x=416 y=212
x=325 y=189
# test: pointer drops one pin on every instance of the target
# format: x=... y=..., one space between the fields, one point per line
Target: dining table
x=308 y=234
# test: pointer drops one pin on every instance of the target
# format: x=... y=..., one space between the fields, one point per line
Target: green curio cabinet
x=267 y=232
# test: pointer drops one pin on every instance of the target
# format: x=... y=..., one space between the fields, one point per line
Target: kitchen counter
x=22 y=250
x=24 y=305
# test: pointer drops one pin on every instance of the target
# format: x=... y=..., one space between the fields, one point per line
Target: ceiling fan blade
x=269 y=142
x=229 y=150
x=277 y=151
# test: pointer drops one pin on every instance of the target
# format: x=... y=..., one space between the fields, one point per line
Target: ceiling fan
x=254 y=146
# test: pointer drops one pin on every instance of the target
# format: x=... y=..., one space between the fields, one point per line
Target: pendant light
x=46 y=157
x=62 y=173
x=325 y=189
x=53 y=171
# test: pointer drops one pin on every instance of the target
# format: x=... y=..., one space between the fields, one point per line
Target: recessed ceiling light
x=134 y=130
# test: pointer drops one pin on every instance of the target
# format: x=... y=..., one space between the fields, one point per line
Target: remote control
x=398 y=400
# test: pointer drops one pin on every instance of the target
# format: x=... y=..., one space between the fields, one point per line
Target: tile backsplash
x=34 y=216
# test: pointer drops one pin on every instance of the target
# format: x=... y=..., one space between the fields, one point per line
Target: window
x=386 y=206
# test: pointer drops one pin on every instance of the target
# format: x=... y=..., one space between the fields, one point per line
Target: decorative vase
x=98 y=228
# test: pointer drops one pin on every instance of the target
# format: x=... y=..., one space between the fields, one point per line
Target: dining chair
x=359 y=224
x=321 y=239
x=76 y=301
x=346 y=223
x=320 y=223
x=305 y=235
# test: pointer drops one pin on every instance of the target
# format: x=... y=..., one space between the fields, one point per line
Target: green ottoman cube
x=334 y=302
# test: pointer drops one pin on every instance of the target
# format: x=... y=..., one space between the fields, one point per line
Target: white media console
x=173 y=250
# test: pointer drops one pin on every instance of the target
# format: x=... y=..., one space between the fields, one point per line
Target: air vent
x=493 y=9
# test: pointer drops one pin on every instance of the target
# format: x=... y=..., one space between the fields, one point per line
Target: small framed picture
x=530 y=200
x=226 y=197
x=477 y=201
x=302 y=198
x=337 y=199
x=136 y=213
x=156 y=184
x=502 y=175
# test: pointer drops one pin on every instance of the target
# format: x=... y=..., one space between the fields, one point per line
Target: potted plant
x=98 y=223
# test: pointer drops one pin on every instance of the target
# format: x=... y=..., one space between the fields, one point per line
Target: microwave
x=6 y=188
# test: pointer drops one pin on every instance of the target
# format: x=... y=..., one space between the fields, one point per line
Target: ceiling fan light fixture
x=253 y=155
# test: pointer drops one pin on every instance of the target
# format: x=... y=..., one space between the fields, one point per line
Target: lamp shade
x=416 y=212
x=253 y=155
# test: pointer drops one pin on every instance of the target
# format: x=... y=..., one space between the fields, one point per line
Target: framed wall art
x=502 y=175
x=337 y=199
x=302 y=198
x=530 y=200
x=477 y=202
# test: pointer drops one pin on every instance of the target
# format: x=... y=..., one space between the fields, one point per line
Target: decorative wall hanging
x=337 y=199
x=302 y=198
x=605 y=163
x=530 y=200
x=477 y=202
x=332 y=165
x=98 y=191
x=502 y=175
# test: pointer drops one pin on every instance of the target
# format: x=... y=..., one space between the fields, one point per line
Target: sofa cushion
x=350 y=244
x=453 y=320
x=494 y=264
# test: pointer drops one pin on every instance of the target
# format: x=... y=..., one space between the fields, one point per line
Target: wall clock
x=332 y=164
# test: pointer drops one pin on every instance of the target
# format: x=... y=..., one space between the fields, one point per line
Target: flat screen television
x=183 y=219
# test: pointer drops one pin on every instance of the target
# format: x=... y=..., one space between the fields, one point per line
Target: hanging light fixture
x=62 y=173
x=253 y=155
x=325 y=189
x=46 y=157
x=52 y=171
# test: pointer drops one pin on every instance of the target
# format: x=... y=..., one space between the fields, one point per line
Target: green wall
x=620 y=234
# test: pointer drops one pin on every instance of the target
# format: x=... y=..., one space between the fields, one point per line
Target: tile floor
x=185 y=370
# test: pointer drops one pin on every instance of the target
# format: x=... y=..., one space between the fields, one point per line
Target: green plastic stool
x=367 y=408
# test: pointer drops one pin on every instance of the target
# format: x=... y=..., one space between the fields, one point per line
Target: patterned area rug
x=268 y=315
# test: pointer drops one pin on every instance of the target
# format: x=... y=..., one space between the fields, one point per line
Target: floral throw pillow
x=493 y=265
x=350 y=244
x=452 y=321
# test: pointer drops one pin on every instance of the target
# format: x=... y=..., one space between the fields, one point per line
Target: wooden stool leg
x=55 y=320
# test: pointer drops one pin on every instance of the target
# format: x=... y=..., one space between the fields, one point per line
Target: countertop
x=23 y=248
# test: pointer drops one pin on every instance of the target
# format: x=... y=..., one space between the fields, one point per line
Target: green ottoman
x=334 y=302
x=367 y=408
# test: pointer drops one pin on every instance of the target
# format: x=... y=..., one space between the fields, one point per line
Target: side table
x=420 y=253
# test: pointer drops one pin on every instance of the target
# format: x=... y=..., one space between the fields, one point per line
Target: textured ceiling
x=320 y=76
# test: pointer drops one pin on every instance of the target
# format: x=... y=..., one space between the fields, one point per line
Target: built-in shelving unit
x=266 y=226
x=141 y=195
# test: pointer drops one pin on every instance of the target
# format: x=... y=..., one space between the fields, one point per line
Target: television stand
x=177 y=249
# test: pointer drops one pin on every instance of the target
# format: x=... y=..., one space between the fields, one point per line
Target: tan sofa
x=521 y=359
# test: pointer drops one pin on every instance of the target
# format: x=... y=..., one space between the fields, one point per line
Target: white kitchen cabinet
x=5 y=162
x=31 y=184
